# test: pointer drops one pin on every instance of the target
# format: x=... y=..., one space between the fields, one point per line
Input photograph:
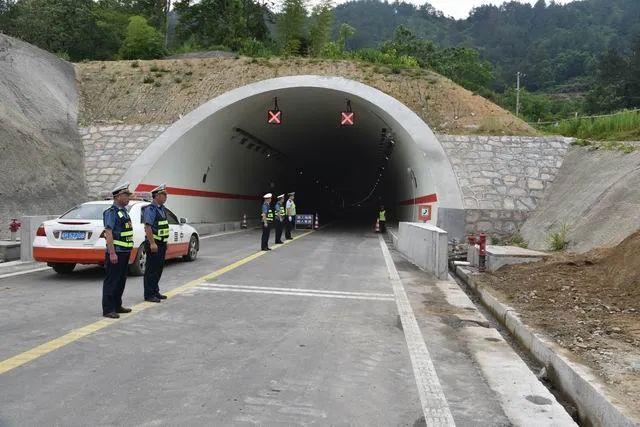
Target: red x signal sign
x=347 y=118
x=274 y=117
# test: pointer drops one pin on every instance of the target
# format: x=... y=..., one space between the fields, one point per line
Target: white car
x=77 y=237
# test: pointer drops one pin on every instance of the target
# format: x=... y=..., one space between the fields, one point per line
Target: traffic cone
x=316 y=225
x=244 y=221
x=377 y=230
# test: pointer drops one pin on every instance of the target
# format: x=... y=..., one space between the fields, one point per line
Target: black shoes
x=112 y=315
x=279 y=243
x=123 y=310
x=153 y=299
x=266 y=249
x=161 y=296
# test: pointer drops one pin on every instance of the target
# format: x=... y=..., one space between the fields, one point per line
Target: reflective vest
x=123 y=238
x=270 y=215
x=281 y=211
x=163 y=228
x=292 y=208
x=382 y=216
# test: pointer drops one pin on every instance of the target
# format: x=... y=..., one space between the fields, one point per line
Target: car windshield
x=86 y=211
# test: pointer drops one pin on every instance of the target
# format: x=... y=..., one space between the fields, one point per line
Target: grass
x=558 y=240
x=624 y=126
x=513 y=240
x=625 y=148
x=148 y=79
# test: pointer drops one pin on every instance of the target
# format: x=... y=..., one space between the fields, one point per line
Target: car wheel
x=139 y=264
x=61 y=268
x=193 y=249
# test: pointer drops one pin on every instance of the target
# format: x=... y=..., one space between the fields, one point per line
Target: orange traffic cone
x=316 y=225
x=244 y=221
x=377 y=230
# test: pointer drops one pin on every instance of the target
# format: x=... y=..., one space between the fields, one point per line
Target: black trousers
x=383 y=226
x=289 y=225
x=279 y=226
x=153 y=270
x=266 y=231
x=114 y=281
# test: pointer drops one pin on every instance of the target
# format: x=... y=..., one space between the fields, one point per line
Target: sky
x=460 y=9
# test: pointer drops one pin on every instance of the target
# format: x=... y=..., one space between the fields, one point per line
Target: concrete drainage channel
x=427 y=247
x=573 y=384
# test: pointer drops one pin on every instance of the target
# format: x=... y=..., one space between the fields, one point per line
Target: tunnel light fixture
x=274 y=116
x=348 y=117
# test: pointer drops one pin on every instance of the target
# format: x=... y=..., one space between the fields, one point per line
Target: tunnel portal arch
x=217 y=151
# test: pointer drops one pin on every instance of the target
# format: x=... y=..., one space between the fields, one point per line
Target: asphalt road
x=308 y=334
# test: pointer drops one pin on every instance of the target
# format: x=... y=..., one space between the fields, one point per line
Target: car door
x=175 y=245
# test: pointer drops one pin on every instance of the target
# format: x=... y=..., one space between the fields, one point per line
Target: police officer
x=156 y=229
x=118 y=232
x=382 y=218
x=280 y=214
x=290 y=216
x=267 y=220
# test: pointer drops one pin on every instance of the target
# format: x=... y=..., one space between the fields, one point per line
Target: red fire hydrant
x=14 y=226
x=482 y=241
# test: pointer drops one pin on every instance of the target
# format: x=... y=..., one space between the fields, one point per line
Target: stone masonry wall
x=110 y=150
x=502 y=178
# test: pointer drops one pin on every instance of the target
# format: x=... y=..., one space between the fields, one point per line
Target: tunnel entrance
x=219 y=159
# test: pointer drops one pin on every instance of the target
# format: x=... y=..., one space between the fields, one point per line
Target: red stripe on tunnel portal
x=198 y=193
x=431 y=198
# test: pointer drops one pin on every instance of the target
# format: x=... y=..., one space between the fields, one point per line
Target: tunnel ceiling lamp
x=348 y=117
x=259 y=145
x=274 y=116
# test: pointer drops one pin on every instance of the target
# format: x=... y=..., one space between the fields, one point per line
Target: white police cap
x=162 y=188
x=121 y=189
x=281 y=196
x=267 y=196
x=293 y=193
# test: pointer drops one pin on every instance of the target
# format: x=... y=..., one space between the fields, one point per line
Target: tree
x=320 y=28
x=346 y=32
x=290 y=26
x=142 y=40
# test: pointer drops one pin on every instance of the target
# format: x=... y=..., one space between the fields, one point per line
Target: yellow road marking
x=76 y=334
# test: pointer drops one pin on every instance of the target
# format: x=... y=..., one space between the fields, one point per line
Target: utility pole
x=518 y=75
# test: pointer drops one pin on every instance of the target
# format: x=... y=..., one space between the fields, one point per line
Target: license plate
x=73 y=235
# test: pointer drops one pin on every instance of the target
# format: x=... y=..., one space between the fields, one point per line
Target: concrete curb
x=576 y=381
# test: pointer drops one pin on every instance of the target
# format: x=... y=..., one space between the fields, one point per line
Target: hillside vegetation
x=160 y=91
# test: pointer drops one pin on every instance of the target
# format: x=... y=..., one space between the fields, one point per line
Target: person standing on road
x=156 y=229
x=280 y=214
x=118 y=233
x=382 y=217
x=267 y=219
x=290 y=217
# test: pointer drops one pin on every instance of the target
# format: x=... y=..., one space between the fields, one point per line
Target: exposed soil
x=589 y=304
x=115 y=91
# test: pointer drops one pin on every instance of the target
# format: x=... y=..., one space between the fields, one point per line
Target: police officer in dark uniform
x=279 y=210
x=118 y=232
x=156 y=229
x=267 y=219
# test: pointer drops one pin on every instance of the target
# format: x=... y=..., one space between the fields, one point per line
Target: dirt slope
x=590 y=304
x=596 y=195
x=41 y=156
x=114 y=92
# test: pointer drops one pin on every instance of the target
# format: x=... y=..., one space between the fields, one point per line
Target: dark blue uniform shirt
x=113 y=222
x=152 y=213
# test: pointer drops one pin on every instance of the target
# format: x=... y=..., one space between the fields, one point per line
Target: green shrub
x=141 y=41
x=558 y=240
x=177 y=80
x=135 y=64
x=623 y=126
x=153 y=68
x=148 y=79
x=157 y=84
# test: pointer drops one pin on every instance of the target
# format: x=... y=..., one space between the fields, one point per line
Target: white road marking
x=294 y=292
x=20 y=273
x=434 y=403
x=225 y=233
x=316 y=291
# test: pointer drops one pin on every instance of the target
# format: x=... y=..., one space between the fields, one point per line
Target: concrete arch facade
x=214 y=177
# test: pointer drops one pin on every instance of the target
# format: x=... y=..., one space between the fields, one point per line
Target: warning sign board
x=304 y=221
x=424 y=213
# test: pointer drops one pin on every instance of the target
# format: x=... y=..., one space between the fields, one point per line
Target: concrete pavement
x=309 y=334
